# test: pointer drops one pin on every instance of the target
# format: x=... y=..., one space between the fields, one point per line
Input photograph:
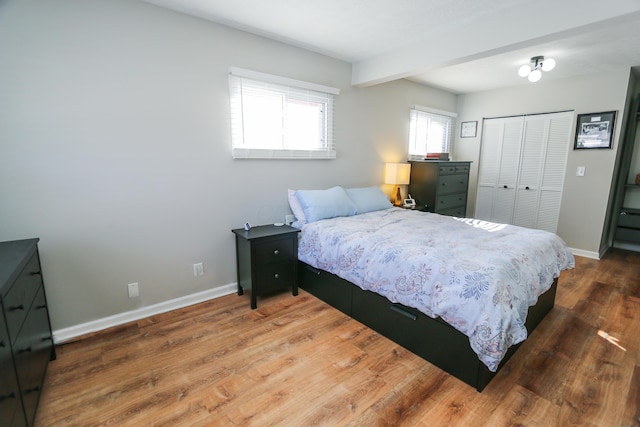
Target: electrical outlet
x=580 y=171
x=288 y=219
x=198 y=269
x=133 y=290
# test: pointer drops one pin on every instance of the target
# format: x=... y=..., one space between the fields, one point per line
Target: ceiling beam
x=516 y=28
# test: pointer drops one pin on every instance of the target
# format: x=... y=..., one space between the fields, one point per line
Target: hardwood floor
x=295 y=361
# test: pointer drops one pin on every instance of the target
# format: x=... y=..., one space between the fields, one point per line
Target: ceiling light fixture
x=532 y=72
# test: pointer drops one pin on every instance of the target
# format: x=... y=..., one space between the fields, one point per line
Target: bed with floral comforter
x=477 y=276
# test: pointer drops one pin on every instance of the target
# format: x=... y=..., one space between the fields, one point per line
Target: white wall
x=115 y=147
x=585 y=199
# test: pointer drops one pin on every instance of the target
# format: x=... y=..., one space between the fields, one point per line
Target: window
x=430 y=131
x=281 y=118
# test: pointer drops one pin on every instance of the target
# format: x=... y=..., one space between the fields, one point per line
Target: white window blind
x=430 y=131
x=280 y=118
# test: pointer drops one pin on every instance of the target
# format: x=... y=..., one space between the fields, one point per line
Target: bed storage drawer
x=326 y=286
x=434 y=341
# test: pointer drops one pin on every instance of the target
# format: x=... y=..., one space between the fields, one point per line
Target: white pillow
x=368 y=199
x=323 y=204
x=294 y=204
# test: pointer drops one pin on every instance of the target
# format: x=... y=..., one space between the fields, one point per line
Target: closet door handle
x=506 y=186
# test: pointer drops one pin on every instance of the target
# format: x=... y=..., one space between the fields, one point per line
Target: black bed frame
x=432 y=339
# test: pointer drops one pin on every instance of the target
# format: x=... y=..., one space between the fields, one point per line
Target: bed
x=461 y=293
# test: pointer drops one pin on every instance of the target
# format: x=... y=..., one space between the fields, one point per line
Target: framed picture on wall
x=468 y=129
x=595 y=130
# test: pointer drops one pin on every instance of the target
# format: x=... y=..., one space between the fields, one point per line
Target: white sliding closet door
x=521 y=172
x=533 y=141
x=498 y=173
x=553 y=171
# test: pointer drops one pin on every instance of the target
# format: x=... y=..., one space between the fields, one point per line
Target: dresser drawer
x=449 y=184
x=447 y=169
x=451 y=201
x=629 y=220
x=275 y=251
x=459 y=212
x=10 y=401
x=627 y=235
x=19 y=297
x=28 y=332
x=32 y=352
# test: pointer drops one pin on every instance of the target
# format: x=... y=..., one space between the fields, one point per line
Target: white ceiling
x=458 y=45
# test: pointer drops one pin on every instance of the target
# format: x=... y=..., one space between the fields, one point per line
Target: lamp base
x=397 y=201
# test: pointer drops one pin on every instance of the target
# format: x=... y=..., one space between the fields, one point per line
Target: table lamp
x=397 y=174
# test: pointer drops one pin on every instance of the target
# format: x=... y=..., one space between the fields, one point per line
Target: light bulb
x=535 y=75
x=524 y=71
x=548 y=64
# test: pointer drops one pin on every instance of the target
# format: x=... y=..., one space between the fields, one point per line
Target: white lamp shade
x=397 y=173
x=534 y=76
x=524 y=71
x=548 y=64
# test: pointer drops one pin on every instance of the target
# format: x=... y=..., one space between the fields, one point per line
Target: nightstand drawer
x=453 y=184
x=451 y=201
x=275 y=276
x=275 y=251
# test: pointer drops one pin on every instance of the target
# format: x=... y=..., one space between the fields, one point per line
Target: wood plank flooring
x=295 y=361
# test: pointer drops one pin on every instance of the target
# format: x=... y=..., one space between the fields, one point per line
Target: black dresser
x=26 y=342
x=440 y=186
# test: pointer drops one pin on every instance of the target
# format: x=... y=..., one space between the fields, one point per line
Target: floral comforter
x=479 y=277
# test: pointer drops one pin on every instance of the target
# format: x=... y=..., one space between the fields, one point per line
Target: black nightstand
x=267 y=258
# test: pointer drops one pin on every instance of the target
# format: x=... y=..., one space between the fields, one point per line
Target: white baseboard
x=67 y=334
x=586 y=254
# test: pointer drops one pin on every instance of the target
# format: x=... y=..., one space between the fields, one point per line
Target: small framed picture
x=595 y=130
x=468 y=129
